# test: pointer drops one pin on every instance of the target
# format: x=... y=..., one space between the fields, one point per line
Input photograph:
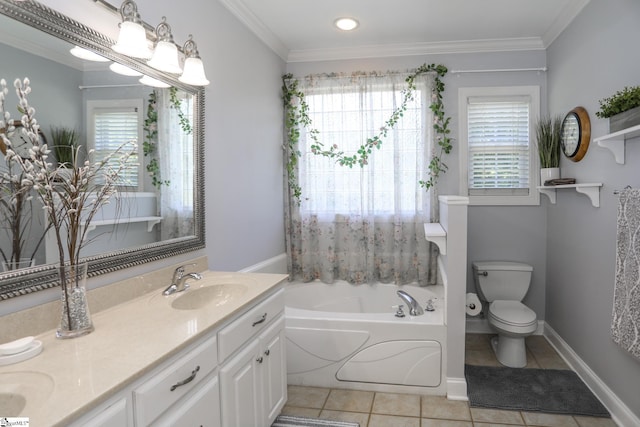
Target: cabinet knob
x=267 y=352
x=259 y=359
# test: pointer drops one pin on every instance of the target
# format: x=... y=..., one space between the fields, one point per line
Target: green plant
x=619 y=102
x=548 y=131
x=64 y=143
x=296 y=115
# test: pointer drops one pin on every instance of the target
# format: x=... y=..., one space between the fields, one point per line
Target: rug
x=555 y=391
x=290 y=421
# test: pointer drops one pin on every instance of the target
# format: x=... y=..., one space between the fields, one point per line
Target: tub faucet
x=414 y=307
x=178 y=281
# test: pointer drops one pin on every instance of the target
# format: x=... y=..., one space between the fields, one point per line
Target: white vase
x=547 y=174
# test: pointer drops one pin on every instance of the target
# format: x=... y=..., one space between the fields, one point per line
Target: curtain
x=175 y=153
x=363 y=224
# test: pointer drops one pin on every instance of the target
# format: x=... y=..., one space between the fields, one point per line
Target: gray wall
x=595 y=57
x=495 y=233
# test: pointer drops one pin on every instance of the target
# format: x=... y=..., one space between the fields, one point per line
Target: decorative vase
x=547 y=174
x=75 y=320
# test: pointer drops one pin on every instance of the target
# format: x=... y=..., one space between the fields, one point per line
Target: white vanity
x=199 y=357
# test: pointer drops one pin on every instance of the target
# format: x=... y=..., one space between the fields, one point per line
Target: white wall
x=595 y=57
x=495 y=233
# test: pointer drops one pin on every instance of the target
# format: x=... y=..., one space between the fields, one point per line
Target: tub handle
x=399 y=312
x=262 y=319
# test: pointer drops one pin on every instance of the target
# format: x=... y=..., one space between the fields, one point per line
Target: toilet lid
x=513 y=312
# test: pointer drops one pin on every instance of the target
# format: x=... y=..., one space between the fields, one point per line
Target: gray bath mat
x=555 y=391
x=289 y=421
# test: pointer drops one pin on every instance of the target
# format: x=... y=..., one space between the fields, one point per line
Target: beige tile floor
x=373 y=409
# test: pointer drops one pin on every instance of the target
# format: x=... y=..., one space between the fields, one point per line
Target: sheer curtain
x=364 y=225
x=175 y=151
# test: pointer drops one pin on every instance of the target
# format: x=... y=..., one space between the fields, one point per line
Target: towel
x=625 y=325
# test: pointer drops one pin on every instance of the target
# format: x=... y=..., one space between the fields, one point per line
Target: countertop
x=70 y=377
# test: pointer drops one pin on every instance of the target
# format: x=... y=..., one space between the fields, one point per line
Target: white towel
x=625 y=325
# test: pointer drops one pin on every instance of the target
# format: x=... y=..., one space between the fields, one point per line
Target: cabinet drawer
x=165 y=388
x=253 y=321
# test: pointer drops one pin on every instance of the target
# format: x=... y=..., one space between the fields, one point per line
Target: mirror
x=161 y=211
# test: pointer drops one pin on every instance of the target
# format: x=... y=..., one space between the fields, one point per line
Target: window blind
x=113 y=128
x=498 y=144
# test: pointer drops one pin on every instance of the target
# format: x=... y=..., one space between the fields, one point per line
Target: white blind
x=498 y=141
x=113 y=128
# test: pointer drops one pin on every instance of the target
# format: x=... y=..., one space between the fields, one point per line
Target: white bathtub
x=347 y=336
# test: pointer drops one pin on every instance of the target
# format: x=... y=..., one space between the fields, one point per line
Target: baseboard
x=277 y=264
x=457 y=389
x=479 y=325
x=620 y=413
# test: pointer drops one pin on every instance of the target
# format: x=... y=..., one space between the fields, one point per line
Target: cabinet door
x=199 y=409
x=273 y=370
x=240 y=389
x=114 y=415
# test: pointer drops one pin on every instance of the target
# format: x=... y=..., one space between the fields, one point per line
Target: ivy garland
x=297 y=115
x=149 y=146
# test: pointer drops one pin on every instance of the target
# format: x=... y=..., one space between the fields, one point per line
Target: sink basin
x=19 y=388
x=208 y=296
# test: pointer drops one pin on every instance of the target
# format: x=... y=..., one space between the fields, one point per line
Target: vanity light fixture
x=124 y=70
x=132 y=39
x=87 y=55
x=165 y=54
x=150 y=81
x=346 y=24
x=193 y=67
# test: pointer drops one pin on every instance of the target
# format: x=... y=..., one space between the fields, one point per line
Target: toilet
x=502 y=285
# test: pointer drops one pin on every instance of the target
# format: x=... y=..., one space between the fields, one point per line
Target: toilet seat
x=512 y=316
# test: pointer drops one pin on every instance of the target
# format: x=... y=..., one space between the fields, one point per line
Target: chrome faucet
x=178 y=282
x=414 y=307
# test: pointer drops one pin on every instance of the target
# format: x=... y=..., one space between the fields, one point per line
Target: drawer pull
x=267 y=352
x=259 y=359
x=186 y=380
x=262 y=319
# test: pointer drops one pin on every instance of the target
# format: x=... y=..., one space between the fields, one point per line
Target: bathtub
x=348 y=336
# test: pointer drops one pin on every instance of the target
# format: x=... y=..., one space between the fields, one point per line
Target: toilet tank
x=502 y=280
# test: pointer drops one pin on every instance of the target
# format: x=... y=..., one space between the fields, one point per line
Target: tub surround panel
x=87 y=370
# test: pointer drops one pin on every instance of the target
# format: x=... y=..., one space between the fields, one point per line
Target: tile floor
x=373 y=409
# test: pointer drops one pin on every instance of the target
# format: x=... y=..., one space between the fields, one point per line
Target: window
x=346 y=117
x=498 y=159
x=111 y=124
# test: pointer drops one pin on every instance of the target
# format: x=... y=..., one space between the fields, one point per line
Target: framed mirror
x=161 y=212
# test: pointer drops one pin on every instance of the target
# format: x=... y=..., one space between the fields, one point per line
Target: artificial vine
x=297 y=115
x=149 y=146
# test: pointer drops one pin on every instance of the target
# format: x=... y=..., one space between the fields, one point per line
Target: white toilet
x=503 y=285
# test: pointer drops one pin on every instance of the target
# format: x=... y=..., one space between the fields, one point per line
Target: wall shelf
x=591 y=190
x=434 y=232
x=615 y=142
x=150 y=220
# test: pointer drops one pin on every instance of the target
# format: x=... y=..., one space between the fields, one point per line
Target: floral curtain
x=363 y=224
x=175 y=151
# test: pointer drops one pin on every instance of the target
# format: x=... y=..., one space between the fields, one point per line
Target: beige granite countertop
x=70 y=377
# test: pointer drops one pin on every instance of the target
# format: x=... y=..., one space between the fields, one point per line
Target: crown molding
x=254 y=24
x=248 y=18
x=566 y=16
x=409 y=49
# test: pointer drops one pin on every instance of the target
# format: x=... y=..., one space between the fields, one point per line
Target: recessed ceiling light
x=346 y=24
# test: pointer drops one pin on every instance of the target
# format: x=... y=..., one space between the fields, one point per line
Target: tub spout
x=414 y=307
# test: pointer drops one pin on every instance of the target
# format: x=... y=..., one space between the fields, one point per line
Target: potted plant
x=548 y=131
x=622 y=109
x=64 y=143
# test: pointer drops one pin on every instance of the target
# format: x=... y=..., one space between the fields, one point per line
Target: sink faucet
x=414 y=307
x=178 y=282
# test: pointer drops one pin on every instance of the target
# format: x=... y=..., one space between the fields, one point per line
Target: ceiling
x=302 y=30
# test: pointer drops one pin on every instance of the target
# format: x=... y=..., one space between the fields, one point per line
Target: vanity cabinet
x=114 y=414
x=253 y=381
